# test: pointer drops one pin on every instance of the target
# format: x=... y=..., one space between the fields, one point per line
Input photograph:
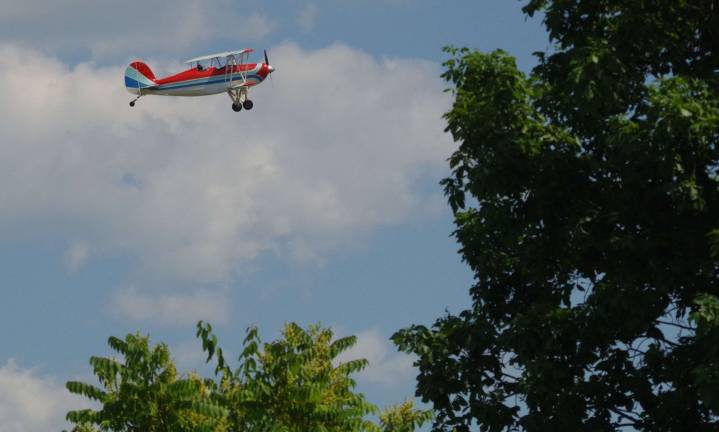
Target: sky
x=322 y=204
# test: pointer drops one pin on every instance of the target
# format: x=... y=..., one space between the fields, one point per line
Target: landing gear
x=239 y=99
x=132 y=102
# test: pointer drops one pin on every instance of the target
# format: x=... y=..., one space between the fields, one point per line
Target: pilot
x=199 y=67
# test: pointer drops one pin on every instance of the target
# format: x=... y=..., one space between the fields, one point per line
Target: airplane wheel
x=236 y=108
x=247 y=104
x=132 y=104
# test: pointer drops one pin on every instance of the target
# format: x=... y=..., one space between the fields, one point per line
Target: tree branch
x=677 y=325
x=625 y=415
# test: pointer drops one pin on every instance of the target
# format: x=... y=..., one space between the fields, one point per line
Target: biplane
x=210 y=74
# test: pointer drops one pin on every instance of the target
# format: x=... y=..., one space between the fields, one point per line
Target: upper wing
x=220 y=55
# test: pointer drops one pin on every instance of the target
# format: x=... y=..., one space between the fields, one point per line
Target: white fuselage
x=188 y=84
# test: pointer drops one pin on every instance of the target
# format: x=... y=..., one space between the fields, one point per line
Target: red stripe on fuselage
x=191 y=74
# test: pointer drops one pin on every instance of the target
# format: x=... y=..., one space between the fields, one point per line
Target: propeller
x=267 y=62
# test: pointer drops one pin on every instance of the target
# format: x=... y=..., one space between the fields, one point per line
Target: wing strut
x=237 y=92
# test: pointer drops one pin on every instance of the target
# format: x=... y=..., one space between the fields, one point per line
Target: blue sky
x=320 y=205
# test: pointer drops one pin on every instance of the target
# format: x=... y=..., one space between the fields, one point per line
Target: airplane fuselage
x=206 y=81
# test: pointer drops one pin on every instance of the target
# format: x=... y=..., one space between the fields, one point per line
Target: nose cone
x=270 y=69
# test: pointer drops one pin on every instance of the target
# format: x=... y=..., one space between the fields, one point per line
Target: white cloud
x=76 y=255
x=33 y=403
x=173 y=309
x=307 y=17
x=387 y=367
x=193 y=191
x=113 y=29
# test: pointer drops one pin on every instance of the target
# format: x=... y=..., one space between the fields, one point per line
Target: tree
x=585 y=198
x=145 y=394
x=293 y=384
x=290 y=385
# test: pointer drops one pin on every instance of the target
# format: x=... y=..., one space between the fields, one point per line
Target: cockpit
x=214 y=64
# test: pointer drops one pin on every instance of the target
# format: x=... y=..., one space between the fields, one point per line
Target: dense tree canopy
x=586 y=201
x=144 y=393
x=292 y=384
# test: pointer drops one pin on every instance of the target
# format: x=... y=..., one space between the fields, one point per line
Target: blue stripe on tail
x=133 y=83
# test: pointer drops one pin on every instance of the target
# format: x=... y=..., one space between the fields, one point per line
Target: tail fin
x=139 y=76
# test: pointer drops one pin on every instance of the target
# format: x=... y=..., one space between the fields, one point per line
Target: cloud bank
x=172 y=309
x=105 y=30
x=387 y=367
x=32 y=403
x=334 y=148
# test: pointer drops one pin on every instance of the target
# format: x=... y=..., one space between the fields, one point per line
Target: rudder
x=138 y=76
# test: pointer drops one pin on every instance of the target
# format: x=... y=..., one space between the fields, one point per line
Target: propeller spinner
x=267 y=62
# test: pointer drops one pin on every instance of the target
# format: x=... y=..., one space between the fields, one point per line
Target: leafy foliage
x=144 y=393
x=291 y=384
x=403 y=418
x=586 y=200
